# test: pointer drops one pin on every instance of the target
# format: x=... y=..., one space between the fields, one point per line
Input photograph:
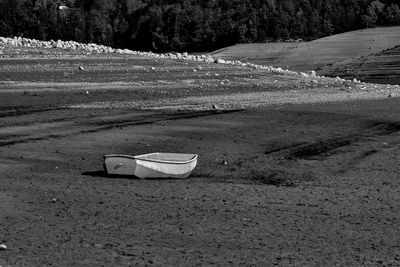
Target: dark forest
x=190 y=25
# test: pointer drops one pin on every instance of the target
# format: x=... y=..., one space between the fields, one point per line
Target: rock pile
x=95 y=48
x=66 y=45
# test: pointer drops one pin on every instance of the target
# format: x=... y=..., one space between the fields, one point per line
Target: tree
x=370 y=17
x=98 y=28
x=392 y=14
x=327 y=28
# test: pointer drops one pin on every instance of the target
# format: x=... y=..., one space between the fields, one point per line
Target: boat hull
x=155 y=165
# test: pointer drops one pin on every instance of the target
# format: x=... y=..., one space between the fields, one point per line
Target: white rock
x=312 y=73
x=220 y=61
x=3 y=247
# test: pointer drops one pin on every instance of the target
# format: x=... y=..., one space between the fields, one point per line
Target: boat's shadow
x=104 y=174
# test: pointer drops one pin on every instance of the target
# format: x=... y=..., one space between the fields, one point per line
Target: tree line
x=190 y=25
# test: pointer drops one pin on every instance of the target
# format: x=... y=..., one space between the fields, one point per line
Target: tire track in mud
x=69 y=128
x=326 y=147
x=317 y=150
x=23 y=110
x=356 y=159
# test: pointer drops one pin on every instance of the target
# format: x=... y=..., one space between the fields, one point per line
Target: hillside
x=382 y=67
x=319 y=53
x=259 y=53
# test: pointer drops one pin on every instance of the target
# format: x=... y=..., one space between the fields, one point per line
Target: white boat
x=154 y=165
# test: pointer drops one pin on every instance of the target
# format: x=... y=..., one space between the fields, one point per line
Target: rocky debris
x=312 y=73
x=340 y=80
x=95 y=48
x=304 y=74
x=3 y=247
x=215 y=107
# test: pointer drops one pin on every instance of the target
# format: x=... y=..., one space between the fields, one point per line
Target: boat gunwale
x=138 y=157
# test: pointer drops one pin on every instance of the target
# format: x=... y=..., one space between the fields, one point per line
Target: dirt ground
x=292 y=170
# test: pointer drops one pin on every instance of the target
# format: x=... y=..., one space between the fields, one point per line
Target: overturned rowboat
x=154 y=165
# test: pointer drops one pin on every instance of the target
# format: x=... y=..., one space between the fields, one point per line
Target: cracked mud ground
x=303 y=184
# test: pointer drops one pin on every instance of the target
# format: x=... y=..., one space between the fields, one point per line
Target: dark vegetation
x=190 y=25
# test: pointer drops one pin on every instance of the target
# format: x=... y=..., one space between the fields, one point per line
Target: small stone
x=312 y=73
x=80 y=68
x=54 y=200
x=220 y=61
x=3 y=247
x=304 y=74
